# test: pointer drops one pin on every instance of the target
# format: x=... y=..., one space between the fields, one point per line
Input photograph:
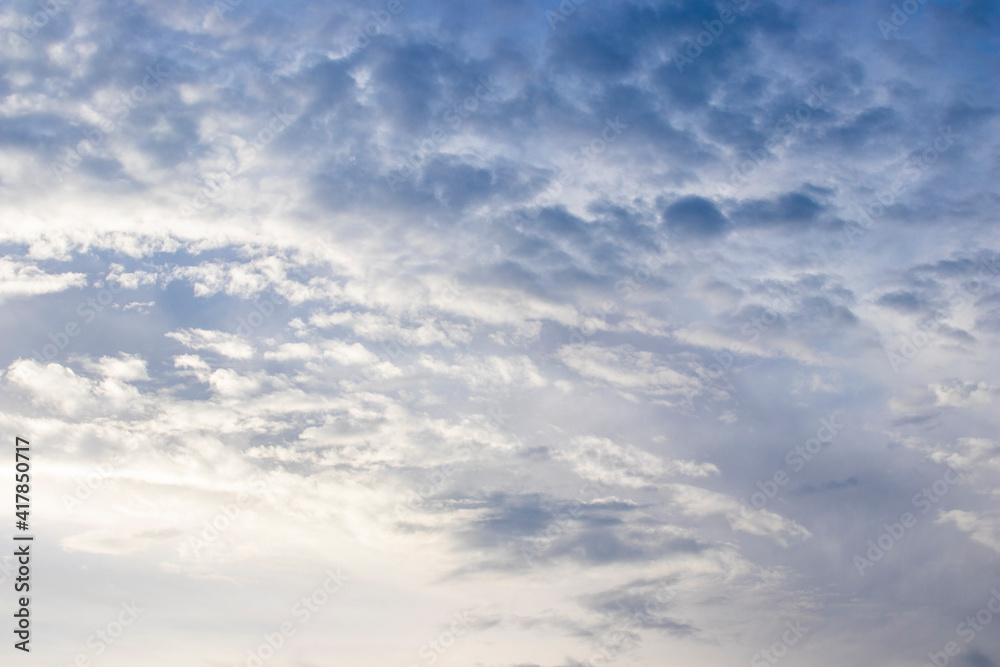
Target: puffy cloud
x=694 y=216
x=220 y=342
x=23 y=279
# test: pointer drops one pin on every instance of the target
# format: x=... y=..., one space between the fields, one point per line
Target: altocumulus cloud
x=575 y=327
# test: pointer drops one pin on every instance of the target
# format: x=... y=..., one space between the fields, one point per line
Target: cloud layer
x=567 y=334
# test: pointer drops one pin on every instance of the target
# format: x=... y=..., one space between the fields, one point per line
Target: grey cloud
x=694 y=217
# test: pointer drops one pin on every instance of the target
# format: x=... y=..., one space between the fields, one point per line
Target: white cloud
x=700 y=502
x=964 y=394
x=18 y=279
x=627 y=368
x=220 y=342
x=126 y=367
x=603 y=460
x=53 y=384
x=983 y=528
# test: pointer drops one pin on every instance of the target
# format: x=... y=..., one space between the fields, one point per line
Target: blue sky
x=508 y=334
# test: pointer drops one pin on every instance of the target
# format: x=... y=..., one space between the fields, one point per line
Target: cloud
x=603 y=460
x=507 y=314
x=127 y=368
x=982 y=527
x=226 y=344
x=694 y=217
x=795 y=209
x=960 y=394
x=698 y=502
x=23 y=279
x=627 y=368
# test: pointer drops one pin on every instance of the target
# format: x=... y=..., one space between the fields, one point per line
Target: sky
x=503 y=334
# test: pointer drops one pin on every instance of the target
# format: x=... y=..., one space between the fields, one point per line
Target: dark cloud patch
x=512 y=518
x=456 y=184
x=734 y=129
x=649 y=134
x=557 y=221
x=512 y=274
x=823 y=312
x=48 y=132
x=409 y=83
x=907 y=302
x=537 y=250
x=977 y=659
x=794 y=209
x=929 y=419
x=965 y=116
x=603 y=53
x=521 y=530
x=981 y=16
x=988 y=320
x=947 y=267
x=819 y=191
x=694 y=217
x=833 y=485
x=956 y=334
x=686 y=92
x=329 y=85
x=647 y=601
x=748 y=88
x=602 y=546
